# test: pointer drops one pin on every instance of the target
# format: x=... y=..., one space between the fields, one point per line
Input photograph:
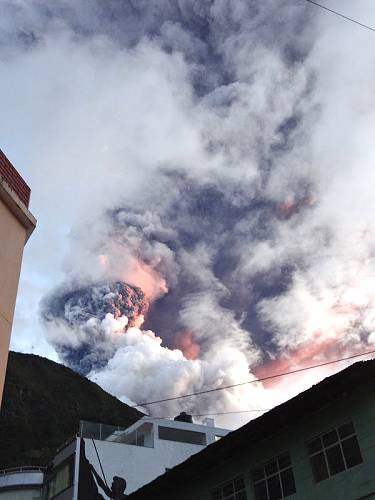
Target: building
x=318 y=445
x=139 y=454
x=16 y=226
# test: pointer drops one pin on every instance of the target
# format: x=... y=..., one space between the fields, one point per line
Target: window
x=275 y=479
x=61 y=480
x=182 y=436
x=141 y=436
x=334 y=452
x=26 y=494
x=232 y=490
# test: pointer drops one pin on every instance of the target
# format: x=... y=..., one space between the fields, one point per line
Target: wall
x=137 y=464
x=24 y=494
x=16 y=226
x=353 y=484
x=23 y=485
x=12 y=240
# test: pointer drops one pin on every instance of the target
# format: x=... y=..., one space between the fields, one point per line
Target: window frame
x=70 y=462
x=278 y=472
x=325 y=447
x=227 y=482
x=184 y=436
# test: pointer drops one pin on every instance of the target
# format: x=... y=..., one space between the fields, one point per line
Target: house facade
x=84 y=467
x=16 y=225
x=318 y=445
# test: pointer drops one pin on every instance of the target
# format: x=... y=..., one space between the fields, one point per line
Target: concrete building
x=24 y=483
x=318 y=445
x=139 y=454
x=16 y=226
x=148 y=448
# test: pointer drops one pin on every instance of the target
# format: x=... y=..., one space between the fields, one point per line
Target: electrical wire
x=100 y=463
x=261 y=379
x=150 y=417
x=340 y=15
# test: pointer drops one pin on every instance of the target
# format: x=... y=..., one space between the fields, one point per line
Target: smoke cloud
x=218 y=164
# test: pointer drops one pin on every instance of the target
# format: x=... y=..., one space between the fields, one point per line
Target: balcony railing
x=142 y=435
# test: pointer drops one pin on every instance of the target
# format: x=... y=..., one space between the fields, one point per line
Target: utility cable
x=151 y=417
x=100 y=463
x=340 y=15
x=261 y=379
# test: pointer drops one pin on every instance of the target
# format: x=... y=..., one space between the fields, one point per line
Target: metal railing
x=25 y=468
x=140 y=436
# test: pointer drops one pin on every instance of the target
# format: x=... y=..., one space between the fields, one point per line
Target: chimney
x=184 y=417
x=210 y=422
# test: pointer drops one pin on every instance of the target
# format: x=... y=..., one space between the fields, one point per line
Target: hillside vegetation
x=42 y=405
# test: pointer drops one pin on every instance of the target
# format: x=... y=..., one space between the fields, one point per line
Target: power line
x=269 y=377
x=149 y=417
x=228 y=412
x=340 y=15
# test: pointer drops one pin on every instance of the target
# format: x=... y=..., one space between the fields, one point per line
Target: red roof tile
x=14 y=180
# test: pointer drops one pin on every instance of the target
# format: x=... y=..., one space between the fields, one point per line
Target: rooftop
x=14 y=180
x=271 y=423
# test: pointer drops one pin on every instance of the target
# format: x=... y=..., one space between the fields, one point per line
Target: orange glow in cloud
x=138 y=321
x=291 y=204
x=315 y=352
x=145 y=277
x=288 y=207
x=103 y=261
x=186 y=343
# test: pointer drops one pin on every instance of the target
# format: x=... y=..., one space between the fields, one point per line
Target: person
x=116 y=492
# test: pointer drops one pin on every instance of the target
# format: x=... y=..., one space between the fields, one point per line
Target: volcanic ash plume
x=226 y=170
x=95 y=332
x=92 y=315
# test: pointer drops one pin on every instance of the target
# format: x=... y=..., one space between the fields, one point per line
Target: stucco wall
x=138 y=465
x=12 y=240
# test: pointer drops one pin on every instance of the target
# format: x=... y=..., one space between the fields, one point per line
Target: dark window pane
x=182 y=435
x=330 y=438
x=287 y=482
x=274 y=487
x=346 y=430
x=260 y=491
x=319 y=467
x=270 y=468
x=228 y=489
x=229 y=498
x=335 y=460
x=239 y=484
x=241 y=495
x=352 y=453
x=216 y=494
x=314 y=446
x=257 y=474
x=284 y=461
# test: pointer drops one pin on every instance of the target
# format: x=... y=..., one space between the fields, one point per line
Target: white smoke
x=143 y=368
x=270 y=104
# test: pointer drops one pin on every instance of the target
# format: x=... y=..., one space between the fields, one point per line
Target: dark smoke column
x=81 y=310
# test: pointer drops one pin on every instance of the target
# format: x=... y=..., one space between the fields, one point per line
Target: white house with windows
x=100 y=452
x=145 y=450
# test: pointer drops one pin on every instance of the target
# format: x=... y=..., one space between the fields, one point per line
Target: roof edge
x=17 y=207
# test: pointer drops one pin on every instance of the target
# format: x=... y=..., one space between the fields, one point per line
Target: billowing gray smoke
x=85 y=309
x=212 y=152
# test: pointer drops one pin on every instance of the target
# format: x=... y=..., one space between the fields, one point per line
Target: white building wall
x=137 y=464
x=21 y=478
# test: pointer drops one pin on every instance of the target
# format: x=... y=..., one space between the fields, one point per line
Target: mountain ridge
x=42 y=405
